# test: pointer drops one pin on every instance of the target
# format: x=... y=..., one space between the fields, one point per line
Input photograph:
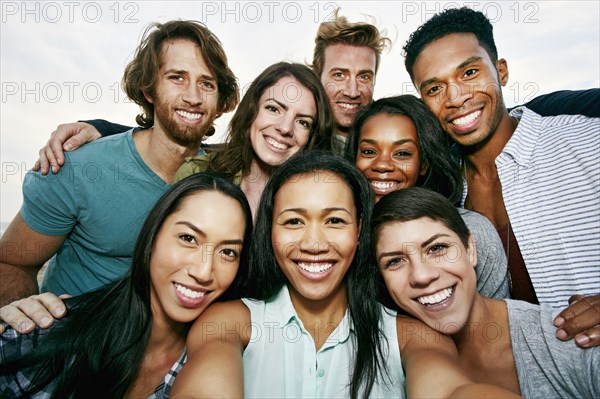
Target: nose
x=193 y=95
x=285 y=126
x=383 y=163
x=422 y=273
x=350 y=89
x=456 y=95
x=314 y=240
x=201 y=264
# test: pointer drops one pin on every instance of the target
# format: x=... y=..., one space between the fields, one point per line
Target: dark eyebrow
x=423 y=244
x=374 y=142
x=463 y=64
x=285 y=107
x=324 y=211
x=184 y=72
x=203 y=234
x=193 y=227
x=433 y=238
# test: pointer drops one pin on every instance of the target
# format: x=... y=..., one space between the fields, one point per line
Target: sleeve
x=107 y=128
x=191 y=166
x=567 y=102
x=51 y=203
x=492 y=265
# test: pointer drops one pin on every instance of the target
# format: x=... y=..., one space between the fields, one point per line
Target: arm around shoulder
x=24 y=251
x=215 y=345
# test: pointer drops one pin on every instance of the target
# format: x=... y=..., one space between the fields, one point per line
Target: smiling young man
x=87 y=216
x=346 y=58
x=536 y=178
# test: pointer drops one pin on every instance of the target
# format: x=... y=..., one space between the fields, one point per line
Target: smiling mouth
x=383 y=185
x=316 y=267
x=436 y=298
x=275 y=144
x=193 y=116
x=465 y=120
x=348 y=106
x=188 y=293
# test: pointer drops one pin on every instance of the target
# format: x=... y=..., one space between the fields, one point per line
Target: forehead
x=344 y=56
x=289 y=90
x=315 y=190
x=182 y=54
x=445 y=54
x=213 y=212
x=410 y=231
x=386 y=127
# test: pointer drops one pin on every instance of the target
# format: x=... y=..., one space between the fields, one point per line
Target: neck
x=321 y=317
x=161 y=154
x=476 y=333
x=253 y=184
x=480 y=157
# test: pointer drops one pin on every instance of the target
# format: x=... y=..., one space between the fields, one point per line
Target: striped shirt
x=550 y=175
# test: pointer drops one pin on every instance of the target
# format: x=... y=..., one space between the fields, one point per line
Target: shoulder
x=222 y=320
x=193 y=165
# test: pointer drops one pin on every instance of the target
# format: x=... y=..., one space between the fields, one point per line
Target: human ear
x=148 y=97
x=472 y=250
x=502 y=68
x=424 y=168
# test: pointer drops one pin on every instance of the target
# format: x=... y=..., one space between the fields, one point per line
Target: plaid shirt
x=14 y=345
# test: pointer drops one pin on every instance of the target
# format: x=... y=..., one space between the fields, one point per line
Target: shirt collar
x=525 y=137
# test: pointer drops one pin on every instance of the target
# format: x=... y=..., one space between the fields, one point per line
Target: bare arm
x=581 y=320
x=23 y=253
x=215 y=345
x=432 y=368
x=66 y=137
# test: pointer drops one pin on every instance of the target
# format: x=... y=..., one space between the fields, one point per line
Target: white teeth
x=382 y=185
x=189 y=293
x=189 y=115
x=315 y=267
x=348 y=106
x=465 y=120
x=276 y=144
x=436 y=298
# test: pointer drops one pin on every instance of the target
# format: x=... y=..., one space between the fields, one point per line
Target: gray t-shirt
x=547 y=367
x=491 y=269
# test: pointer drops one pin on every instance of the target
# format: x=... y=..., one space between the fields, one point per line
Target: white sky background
x=63 y=61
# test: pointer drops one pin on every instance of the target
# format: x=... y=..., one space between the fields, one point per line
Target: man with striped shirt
x=536 y=178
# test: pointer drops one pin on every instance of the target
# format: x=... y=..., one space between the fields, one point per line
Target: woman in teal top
x=313 y=327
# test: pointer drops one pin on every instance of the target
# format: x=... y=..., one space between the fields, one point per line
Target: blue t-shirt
x=99 y=199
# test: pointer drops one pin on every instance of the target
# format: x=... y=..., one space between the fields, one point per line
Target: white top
x=280 y=360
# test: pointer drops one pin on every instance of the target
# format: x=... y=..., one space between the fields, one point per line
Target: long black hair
x=97 y=349
x=443 y=172
x=361 y=276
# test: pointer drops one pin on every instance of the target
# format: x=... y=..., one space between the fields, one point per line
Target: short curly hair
x=453 y=20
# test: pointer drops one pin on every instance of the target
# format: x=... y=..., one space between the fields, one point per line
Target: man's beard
x=184 y=135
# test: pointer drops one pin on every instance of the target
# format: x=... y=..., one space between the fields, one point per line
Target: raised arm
x=24 y=251
x=567 y=102
x=70 y=136
x=430 y=360
x=215 y=345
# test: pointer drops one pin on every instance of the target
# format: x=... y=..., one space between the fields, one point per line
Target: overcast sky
x=63 y=61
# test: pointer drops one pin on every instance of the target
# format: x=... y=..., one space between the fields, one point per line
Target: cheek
x=362 y=164
x=302 y=136
x=225 y=273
